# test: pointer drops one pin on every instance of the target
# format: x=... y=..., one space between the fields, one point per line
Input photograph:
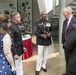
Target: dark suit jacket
x=16 y=36
x=70 y=47
x=43 y=26
x=73 y=21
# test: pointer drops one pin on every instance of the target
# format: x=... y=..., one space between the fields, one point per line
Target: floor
x=55 y=64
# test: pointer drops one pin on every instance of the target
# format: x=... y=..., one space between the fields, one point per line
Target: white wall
x=49 y=4
x=41 y=5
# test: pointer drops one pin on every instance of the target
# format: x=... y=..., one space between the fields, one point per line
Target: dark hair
x=4 y=21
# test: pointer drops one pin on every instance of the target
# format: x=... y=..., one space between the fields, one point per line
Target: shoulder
x=6 y=36
x=13 y=27
x=38 y=22
x=74 y=22
x=48 y=21
x=74 y=19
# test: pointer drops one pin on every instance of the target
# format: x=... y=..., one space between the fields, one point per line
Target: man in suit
x=43 y=32
x=70 y=47
x=16 y=36
x=69 y=20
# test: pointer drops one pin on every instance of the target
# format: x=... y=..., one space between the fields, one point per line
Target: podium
x=27 y=43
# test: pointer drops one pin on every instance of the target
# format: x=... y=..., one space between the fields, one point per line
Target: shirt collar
x=70 y=17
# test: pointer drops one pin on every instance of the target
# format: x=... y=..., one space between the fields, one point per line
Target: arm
x=36 y=32
x=62 y=40
x=13 y=49
x=70 y=40
x=12 y=36
x=15 y=52
x=7 y=50
x=63 y=33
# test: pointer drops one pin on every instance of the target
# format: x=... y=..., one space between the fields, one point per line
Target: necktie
x=65 y=29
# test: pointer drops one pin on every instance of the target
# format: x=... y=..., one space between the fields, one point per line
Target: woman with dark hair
x=6 y=60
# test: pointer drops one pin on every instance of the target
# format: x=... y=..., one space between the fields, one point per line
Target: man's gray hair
x=68 y=9
x=13 y=14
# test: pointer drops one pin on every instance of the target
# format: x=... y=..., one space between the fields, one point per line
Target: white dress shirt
x=69 y=19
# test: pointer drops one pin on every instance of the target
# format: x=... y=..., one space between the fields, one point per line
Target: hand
x=24 y=49
x=48 y=34
x=16 y=57
x=13 y=69
x=43 y=36
x=62 y=45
